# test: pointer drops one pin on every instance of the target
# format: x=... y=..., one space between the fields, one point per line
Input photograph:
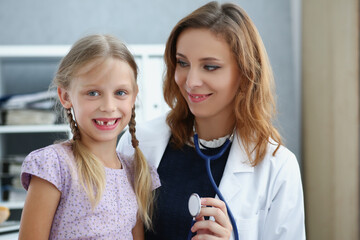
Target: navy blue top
x=182 y=172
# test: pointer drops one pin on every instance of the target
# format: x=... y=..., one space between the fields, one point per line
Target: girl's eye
x=93 y=93
x=211 y=67
x=182 y=63
x=120 y=93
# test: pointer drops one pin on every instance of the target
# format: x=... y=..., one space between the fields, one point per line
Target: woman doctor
x=219 y=82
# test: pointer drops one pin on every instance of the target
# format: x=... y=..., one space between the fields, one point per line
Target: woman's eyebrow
x=210 y=59
x=180 y=55
x=201 y=59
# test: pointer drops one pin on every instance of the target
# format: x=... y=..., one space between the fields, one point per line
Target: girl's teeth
x=110 y=123
x=101 y=123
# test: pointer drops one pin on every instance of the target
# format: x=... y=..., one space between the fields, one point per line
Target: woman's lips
x=198 y=97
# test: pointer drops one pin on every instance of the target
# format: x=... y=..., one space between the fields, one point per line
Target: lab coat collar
x=238 y=160
x=236 y=164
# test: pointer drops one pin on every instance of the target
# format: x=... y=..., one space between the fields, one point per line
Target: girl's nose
x=108 y=104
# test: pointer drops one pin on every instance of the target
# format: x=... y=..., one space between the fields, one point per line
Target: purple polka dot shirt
x=115 y=215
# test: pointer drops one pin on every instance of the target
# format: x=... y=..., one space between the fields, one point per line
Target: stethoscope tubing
x=208 y=169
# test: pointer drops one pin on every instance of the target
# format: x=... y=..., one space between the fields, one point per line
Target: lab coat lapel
x=154 y=143
x=236 y=164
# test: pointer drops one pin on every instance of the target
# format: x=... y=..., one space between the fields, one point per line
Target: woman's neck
x=214 y=128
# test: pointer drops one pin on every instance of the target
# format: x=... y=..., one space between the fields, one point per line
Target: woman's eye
x=182 y=63
x=93 y=93
x=121 y=93
x=211 y=67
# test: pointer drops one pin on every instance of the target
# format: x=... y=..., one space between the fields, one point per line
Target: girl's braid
x=132 y=123
x=74 y=128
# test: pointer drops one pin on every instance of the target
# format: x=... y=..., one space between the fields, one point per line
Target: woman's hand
x=221 y=228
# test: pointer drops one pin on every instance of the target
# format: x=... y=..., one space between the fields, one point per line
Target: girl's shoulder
x=55 y=148
x=52 y=155
x=52 y=163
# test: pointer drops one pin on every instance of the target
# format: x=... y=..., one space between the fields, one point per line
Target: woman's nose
x=193 y=78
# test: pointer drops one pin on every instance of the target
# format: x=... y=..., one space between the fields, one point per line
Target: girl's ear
x=64 y=98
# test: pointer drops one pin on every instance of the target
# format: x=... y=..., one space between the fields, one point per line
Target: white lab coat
x=266 y=200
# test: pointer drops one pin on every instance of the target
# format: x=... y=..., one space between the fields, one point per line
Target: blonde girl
x=83 y=188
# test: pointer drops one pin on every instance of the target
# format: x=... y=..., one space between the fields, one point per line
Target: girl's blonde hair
x=96 y=49
x=254 y=103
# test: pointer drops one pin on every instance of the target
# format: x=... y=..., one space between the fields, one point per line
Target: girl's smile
x=106 y=123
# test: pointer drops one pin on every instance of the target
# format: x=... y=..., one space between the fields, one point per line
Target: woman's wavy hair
x=254 y=103
x=95 y=49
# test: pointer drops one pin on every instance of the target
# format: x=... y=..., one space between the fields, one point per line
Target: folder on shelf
x=28 y=109
x=29 y=117
x=40 y=100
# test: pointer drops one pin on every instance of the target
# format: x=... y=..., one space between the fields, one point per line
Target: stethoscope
x=194 y=203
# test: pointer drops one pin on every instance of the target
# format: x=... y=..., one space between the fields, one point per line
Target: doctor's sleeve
x=285 y=219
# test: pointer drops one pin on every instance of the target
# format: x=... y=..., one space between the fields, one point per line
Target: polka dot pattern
x=115 y=215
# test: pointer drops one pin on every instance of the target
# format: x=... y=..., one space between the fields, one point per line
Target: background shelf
x=34 y=128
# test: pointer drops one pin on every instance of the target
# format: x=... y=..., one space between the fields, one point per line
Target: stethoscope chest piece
x=194 y=205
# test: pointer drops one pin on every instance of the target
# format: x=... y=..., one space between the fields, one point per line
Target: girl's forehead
x=105 y=70
x=92 y=65
x=102 y=65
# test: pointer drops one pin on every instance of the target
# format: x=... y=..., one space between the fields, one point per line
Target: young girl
x=219 y=86
x=83 y=188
